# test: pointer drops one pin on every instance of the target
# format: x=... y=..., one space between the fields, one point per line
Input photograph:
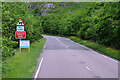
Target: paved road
x=63 y=58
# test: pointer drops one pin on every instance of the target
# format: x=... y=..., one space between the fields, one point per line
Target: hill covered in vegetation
x=96 y=21
x=90 y=21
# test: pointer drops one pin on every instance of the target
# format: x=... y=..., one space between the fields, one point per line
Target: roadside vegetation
x=23 y=64
x=111 y=52
x=95 y=23
x=11 y=12
x=92 y=21
x=15 y=65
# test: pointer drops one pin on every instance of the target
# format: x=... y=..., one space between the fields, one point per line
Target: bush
x=93 y=21
x=11 y=12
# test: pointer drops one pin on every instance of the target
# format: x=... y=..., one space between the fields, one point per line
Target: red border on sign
x=22 y=22
x=20 y=31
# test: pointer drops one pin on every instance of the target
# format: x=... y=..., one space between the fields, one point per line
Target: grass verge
x=22 y=65
x=111 y=52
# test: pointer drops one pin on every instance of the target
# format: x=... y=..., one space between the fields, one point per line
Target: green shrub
x=94 y=21
x=11 y=12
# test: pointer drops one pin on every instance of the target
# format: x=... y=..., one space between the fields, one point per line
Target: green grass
x=22 y=65
x=111 y=52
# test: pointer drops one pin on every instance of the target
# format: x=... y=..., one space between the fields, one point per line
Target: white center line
x=36 y=75
x=59 y=41
x=63 y=44
x=88 y=68
x=67 y=48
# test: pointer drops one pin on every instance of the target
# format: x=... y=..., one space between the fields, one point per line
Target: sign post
x=20 y=48
x=21 y=34
x=28 y=50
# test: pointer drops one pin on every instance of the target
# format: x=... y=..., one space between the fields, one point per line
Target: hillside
x=90 y=21
x=87 y=20
x=91 y=24
x=40 y=8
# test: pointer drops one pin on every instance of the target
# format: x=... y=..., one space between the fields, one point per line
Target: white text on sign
x=20 y=28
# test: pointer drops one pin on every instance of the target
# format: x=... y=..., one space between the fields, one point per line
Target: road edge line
x=99 y=53
x=36 y=75
x=39 y=66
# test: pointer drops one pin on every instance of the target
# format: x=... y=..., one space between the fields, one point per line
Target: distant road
x=63 y=58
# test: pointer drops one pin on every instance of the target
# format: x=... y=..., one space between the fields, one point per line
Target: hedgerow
x=11 y=12
x=93 y=21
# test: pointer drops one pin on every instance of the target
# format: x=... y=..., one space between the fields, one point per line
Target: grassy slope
x=111 y=52
x=23 y=65
x=79 y=7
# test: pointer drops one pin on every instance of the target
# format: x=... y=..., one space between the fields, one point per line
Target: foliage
x=92 y=21
x=11 y=12
x=7 y=47
x=23 y=65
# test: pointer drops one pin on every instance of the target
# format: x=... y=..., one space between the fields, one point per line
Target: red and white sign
x=20 y=22
x=20 y=34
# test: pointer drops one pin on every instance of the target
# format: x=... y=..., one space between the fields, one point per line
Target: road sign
x=24 y=44
x=20 y=22
x=20 y=28
x=20 y=34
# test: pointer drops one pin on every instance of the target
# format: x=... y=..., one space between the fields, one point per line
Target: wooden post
x=20 y=50
x=19 y=46
x=28 y=50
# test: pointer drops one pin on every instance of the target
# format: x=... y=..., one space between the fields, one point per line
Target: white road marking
x=36 y=75
x=71 y=41
x=105 y=56
x=62 y=43
x=88 y=68
x=98 y=53
x=89 y=49
x=67 y=39
x=67 y=48
x=44 y=46
x=59 y=40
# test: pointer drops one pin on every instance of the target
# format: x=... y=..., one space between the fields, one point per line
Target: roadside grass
x=22 y=65
x=111 y=52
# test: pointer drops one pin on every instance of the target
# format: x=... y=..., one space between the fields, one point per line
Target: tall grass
x=22 y=65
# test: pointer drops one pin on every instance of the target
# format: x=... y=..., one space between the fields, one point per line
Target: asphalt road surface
x=63 y=58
